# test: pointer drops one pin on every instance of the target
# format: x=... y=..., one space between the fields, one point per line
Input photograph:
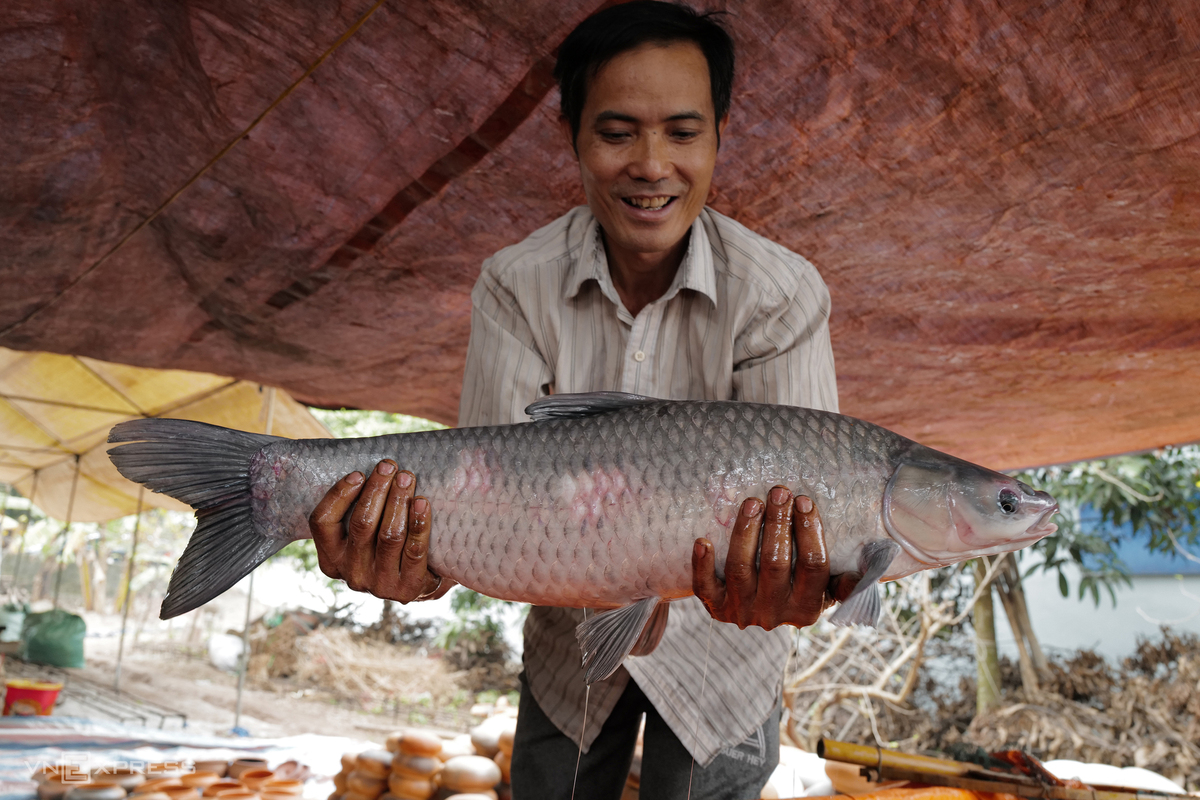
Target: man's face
x=647 y=145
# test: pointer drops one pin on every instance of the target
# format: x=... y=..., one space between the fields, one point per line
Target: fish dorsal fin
x=583 y=404
x=608 y=637
x=863 y=605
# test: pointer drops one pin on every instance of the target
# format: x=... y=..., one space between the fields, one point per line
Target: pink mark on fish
x=473 y=474
x=590 y=497
x=722 y=497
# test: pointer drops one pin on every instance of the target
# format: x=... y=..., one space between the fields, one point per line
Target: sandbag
x=54 y=638
x=12 y=618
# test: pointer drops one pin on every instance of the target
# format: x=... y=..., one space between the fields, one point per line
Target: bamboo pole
x=137 y=522
x=987 y=665
x=245 y=660
x=66 y=527
x=8 y=490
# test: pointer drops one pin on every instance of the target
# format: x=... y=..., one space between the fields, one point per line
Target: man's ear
x=564 y=125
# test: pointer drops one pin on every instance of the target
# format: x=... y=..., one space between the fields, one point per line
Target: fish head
x=943 y=510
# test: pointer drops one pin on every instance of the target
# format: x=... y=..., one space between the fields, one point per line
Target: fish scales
x=601 y=511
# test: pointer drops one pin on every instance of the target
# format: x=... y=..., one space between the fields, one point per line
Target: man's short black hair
x=606 y=34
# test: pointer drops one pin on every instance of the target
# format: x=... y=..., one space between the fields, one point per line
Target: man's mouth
x=649 y=203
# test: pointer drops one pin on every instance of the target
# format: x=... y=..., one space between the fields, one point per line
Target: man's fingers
x=775 y=558
x=842 y=585
x=741 y=574
x=325 y=523
x=415 y=578
x=359 y=554
x=393 y=530
x=811 y=577
x=705 y=583
x=446 y=585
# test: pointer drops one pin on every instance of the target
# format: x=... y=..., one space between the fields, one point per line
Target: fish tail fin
x=207 y=467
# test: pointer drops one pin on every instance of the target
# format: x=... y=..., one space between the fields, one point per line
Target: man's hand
x=775 y=592
x=383 y=547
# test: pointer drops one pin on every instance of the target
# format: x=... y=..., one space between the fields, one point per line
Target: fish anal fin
x=609 y=636
x=863 y=605
x=583 y=404
x=653 y=632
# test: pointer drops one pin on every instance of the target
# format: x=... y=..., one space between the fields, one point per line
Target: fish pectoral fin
x=863 y=605
x=653 y=632
x=608 y=637
x=583 y=404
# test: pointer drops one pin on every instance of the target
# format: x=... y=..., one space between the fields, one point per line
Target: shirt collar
x=590 y=262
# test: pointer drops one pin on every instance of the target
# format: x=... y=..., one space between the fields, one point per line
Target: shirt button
x=639 y=356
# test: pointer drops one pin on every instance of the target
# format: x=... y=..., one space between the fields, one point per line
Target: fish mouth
x=1043 y=526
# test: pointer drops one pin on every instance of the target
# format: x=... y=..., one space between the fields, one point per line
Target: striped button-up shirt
x=744 y=319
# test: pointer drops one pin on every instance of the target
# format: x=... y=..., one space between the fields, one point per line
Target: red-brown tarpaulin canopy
x=1004 y=198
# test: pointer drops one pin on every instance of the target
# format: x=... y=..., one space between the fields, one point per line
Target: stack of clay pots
x=423 y=766
x=247 y=779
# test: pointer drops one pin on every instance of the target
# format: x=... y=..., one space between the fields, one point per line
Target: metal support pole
x=245 y=660
x=24 y=529
x=137 y=522
x=66 y=527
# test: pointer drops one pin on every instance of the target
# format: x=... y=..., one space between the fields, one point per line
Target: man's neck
x=642 y=278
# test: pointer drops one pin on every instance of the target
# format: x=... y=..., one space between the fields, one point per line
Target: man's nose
x=651 y=161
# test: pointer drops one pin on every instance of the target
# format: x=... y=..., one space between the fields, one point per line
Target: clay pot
x=255 y=778
x=96 y=792
x=164 y=769
x=238 y=794
x=222 y=785
x=151 y=796
x=157 y=785
x=420 y=743
x=375 y=763
x=242 y=765
x=411 y=788
x=366 y=785
x=504 y=762
x=474 y=796
x=280 y=786
x=128 y=779
x=407 y=766
x=73 y=772
x=505 y=742
x=200 y=780
x=470 y=774
x=458 y=746
x=219 y=767
x=54 y=787
x=181 y=792
x=350 y=795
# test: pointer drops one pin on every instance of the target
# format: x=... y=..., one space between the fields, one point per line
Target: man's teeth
x=648 y=202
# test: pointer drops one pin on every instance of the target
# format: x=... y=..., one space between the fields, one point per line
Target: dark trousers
x=543 y=760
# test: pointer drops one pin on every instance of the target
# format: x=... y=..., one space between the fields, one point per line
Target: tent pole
x=8 y=490
x=137 y=521
x=24 y=529
x=66 y=527
x=245 y=660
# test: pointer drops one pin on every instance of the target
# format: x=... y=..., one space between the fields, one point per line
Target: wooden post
x=66 y=527
x=137 y=522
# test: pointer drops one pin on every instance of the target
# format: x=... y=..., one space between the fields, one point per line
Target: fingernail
x=779 y=495
x=354 y=478
x=385 y=468
x=753 y=507
x=404 y=480
x=804 y=504
x=698 y=550
x=420 y=505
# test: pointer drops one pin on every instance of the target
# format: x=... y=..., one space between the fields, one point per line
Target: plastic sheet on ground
x=27 y=743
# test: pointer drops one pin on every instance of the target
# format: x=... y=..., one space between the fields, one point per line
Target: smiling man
x=642 y=290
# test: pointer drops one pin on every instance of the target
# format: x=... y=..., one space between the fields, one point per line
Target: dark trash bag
x=54 y=638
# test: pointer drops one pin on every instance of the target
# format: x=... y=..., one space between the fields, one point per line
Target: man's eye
x=685 y=135
x=614 y=136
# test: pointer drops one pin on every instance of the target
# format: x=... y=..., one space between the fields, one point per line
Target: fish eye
x=1009 y=502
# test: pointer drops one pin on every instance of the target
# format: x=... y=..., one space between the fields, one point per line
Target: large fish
x=595 y=503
